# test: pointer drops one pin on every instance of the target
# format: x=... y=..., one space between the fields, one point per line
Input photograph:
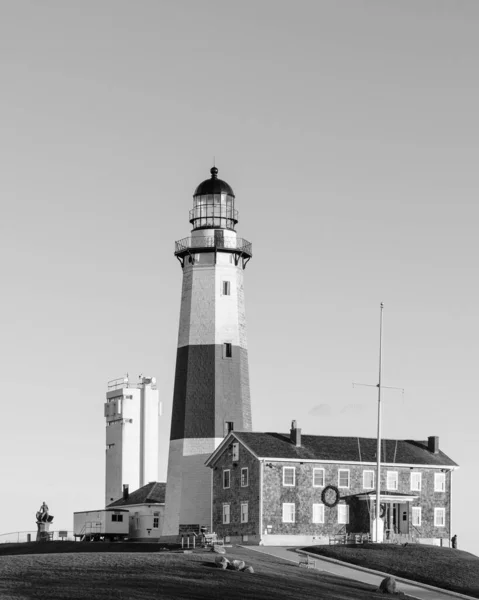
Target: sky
x=349 y=132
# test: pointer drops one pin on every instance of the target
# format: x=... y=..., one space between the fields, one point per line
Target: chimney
x=433 y=444
x=295 y=435
x=126 y=493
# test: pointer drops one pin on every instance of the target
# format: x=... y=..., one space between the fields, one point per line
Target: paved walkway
x=342 y=569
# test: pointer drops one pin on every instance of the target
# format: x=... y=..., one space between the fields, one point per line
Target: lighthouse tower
x=211 y=393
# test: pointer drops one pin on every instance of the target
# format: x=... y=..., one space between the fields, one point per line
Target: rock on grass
x=222 y=562
x=388 y=586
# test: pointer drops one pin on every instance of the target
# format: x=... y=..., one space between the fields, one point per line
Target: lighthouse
x=211 y=390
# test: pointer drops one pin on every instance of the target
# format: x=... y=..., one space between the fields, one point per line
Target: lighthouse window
x=226 y=288
x=228 y=350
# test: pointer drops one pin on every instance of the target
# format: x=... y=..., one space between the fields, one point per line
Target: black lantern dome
x=214 y=204
x=213 y=185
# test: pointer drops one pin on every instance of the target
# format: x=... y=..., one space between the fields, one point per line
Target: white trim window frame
x=416 y=481
x=368 y=484
x=416 y=516
x=287 y=480
x=318 y=477
x=318 y=513
x=439 y=482
x=226 y=479
x=244 y=477
x=439 y=517
x=226 y=514
x=392 y=480
x=289 y=512
x=244 y=512
x=343 y=514
x=341 y=473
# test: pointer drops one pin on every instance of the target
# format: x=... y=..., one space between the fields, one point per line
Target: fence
x=18 y=537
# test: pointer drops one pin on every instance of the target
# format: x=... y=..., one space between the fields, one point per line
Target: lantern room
x=214 y=205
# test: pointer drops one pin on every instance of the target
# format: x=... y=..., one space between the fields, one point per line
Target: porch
x=395 y=525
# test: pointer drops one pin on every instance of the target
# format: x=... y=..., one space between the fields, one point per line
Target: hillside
x=106 y=575
x=442 y=567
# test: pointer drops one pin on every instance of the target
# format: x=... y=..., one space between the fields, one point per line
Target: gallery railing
x=190 y=244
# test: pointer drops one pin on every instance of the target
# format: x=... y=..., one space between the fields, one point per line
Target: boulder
x=237 y=565
x=248 y=570
x=222 y=562
x=388 y=586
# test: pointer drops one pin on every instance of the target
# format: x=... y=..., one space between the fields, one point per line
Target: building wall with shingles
x=236 y=494
x=303 y=494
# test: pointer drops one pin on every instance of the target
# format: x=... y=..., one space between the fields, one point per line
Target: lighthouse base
x=188 y=502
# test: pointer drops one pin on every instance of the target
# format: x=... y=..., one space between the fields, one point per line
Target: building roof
x=151 y=493
x=213 y=185
x=341 y=449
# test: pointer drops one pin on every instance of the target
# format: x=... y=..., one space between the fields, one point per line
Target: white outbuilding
x=146 y=508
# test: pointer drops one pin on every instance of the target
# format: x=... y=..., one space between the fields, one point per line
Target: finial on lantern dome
x=214 y=173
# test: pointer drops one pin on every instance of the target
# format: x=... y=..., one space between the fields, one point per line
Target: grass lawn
x=442 y=567
x=125 y=575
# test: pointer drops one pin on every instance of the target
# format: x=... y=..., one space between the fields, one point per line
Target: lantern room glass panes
x=213 y=210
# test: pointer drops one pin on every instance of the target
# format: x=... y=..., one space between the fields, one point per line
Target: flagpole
x=378 y=452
